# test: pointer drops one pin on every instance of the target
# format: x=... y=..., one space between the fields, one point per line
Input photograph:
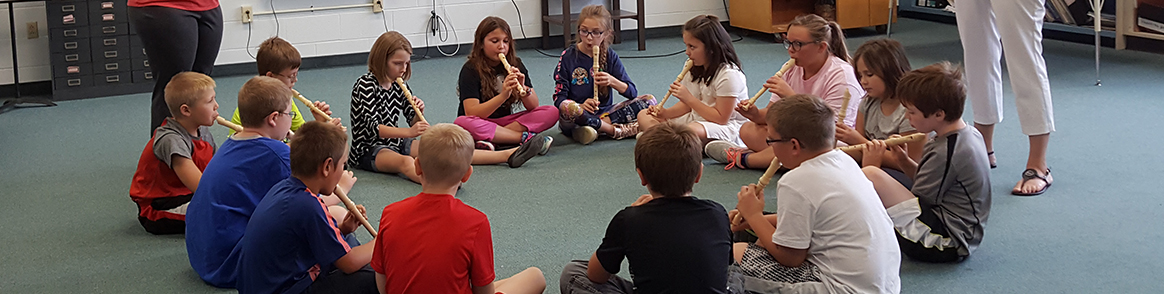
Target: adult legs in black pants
x=176 y=41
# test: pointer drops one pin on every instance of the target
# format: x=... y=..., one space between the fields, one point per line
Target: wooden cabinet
x=772 y=16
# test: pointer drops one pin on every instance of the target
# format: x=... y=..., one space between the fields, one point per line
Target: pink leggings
x=536 y=120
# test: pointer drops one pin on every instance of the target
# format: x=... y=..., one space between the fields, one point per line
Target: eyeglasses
x=771 y=142
x=795 y=45
x=291 y=114
x=294 y=76
x=591 y=33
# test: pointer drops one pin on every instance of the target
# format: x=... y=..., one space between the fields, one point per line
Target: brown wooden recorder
x=521 y=89
x=314 y=109
x=768 y=174
x=352 y=207
x=844 y=106
x=594 y=74
x=780 y=74
x=227 y=123
x=686 y=67
x=408 y=96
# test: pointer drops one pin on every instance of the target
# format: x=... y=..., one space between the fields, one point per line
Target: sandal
x=993 y=160
x=1032 y=174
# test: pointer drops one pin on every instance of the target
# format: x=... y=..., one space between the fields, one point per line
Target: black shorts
x=368 y=161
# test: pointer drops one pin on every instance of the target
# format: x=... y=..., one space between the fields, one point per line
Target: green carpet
x=70 y=226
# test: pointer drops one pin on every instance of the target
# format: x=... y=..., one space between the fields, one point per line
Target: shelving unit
x=1126 y=22
x=911 y=6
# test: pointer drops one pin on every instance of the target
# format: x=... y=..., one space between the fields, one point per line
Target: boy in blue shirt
x=291 y=244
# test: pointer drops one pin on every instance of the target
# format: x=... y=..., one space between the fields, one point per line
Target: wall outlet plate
x=377 y=6
x=248 y=14
x=33 y=30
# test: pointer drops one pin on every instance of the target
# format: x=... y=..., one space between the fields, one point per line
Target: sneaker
x=484 y=145
x=585 y=135
x=546 y=147
x=622 y=131
x=724 y=152
x=526 y=151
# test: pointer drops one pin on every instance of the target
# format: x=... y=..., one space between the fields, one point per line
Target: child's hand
x=590 y=105
x=872 y=153
x=511 y=86
x=643 y=200
x=419 y=103
x=680 y=92
x=351 y=223
x=654 y=111
x=899 y=153
x=336 y=121
x=752 y=113
x=778 y=86
x=418 y=128
x=751 y=200
x=737 y=221
x=848 y=135
x=324 y=107
x=604 y=79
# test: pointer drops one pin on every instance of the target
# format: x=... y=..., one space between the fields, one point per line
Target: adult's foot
x=1033 y=183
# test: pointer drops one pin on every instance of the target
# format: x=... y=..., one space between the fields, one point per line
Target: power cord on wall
x=539 y=50
x=440 y=28
x=276 y=15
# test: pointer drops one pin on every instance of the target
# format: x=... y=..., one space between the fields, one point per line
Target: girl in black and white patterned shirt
x=378 y=102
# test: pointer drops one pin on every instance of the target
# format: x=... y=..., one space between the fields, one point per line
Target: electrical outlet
x=33 y=30
x=377 y=6
x=248 y=14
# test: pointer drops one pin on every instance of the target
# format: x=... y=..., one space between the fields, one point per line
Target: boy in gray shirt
x=942 y=218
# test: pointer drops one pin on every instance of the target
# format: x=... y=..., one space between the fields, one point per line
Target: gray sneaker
x=724 y=152
x=546 y=147
x=526 y=151
x=585 y=135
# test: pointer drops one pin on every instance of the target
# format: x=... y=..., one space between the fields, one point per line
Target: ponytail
x=824 y=31
x=837 y=42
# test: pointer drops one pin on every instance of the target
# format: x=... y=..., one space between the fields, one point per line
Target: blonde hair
x=186 y=88
x=386 y=45
x=259 y=97
x=824 y=31
x=806 y=118
x=602 y=16
x=446 y=153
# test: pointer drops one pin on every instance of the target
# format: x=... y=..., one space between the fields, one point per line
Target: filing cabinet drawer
x=71 y=58
x=72 y=82
x=143 y=76
x=111 y=66
x=72 y=69
x=110 y=43
x=112 y=79
x=140 y=63
x=71 y=46
x=67 y=14
x=109 y=29
x=102 y=12
x=69 y=33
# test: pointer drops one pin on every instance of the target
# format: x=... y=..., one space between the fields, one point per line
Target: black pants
x=176 y=41
x=336 y=281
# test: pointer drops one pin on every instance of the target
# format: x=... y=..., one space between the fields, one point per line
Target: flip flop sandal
x=1032 y=174
x=993 y=164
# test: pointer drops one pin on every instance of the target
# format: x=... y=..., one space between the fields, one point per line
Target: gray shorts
x=368 y=161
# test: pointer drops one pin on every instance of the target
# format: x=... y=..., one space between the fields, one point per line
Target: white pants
x=1021 y=23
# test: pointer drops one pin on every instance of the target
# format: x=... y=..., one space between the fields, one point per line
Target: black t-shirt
x=469 y=86
x=673 y=245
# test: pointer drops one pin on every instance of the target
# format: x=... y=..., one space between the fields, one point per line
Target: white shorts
x=905 y=219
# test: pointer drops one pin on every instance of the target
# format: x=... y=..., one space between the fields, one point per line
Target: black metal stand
x=17 y=100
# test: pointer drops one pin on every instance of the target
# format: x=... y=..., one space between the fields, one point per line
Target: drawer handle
x=72 y=57
x=106 y=5
x=149 y=75
x=111 y=66
x=146 y=63
x=69 y=19
x=68 y=8
x=112 y=79
x=110 y=54
x=143 y=52
x=73 y=69
x=107 y=17
x=110 y=42
x=70 y=45
x=70 y=33
x=74 y=82
x=109 y=29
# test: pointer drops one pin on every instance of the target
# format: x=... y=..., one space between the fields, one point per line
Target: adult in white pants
x=986 y=27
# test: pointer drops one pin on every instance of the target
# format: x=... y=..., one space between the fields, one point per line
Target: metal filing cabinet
x=94 y=51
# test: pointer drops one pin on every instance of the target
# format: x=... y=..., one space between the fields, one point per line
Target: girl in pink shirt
x=822 y=69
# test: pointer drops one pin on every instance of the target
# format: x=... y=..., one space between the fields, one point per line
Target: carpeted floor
x=70 y=226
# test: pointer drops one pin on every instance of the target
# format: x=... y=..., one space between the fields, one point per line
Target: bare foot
x=1034 y=183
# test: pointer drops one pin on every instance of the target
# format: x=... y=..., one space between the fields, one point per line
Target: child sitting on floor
x=172 y=162
x=276 y=58
x=942 y=218
x=433 y=242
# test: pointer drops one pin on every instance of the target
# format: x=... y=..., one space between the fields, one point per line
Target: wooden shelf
x=616 y=13
x=910 y=6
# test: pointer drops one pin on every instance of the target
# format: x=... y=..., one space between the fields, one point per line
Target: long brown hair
x=824 y=31
x=382 y=50
x=602 y=16
x=717 y=45
x=886 y=59
x=480 y=62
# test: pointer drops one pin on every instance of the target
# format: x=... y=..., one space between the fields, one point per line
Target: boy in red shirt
x=173 y=160
x=433 y=242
